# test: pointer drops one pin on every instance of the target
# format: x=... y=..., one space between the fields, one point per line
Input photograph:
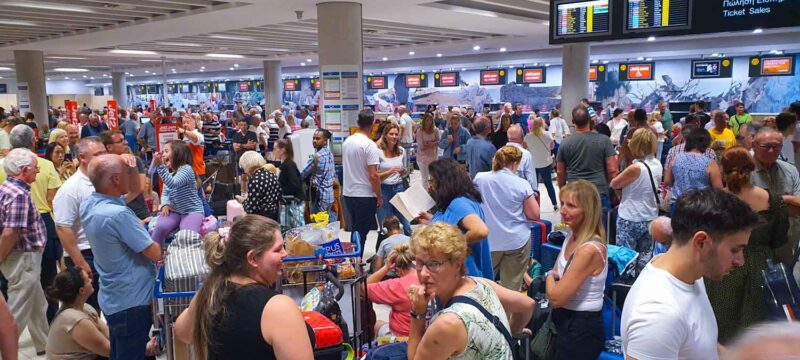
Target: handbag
x=543 y=345
x=661 y=212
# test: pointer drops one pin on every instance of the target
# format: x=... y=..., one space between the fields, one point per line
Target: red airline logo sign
x=490 y=77
x=413 y=81
x=378 y=82
x=640 y=71
x=532 y=75
x=776 y=66
x=592 y=73
x=447 y=79
x=288 y=85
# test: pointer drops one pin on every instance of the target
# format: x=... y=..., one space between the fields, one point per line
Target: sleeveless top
x=484 y=341
x=690 y=172
x=638 y=199
x=590 y=295
x=237 y=330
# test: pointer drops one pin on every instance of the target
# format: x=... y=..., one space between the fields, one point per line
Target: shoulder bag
x=661 y=212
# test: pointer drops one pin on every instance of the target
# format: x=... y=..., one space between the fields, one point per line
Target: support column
x=341 y=52
x=119 y=88
x=164 y=85
x=273 y=85
x=31 y=88
x=574 y=78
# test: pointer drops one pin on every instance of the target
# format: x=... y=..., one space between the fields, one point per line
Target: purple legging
x=166 y=225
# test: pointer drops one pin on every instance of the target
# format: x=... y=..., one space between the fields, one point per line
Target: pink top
x=394 y=293
x=432 y=140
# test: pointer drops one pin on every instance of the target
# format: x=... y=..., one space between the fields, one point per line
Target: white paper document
x=412 y=201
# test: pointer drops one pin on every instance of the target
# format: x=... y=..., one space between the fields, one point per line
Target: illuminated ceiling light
x=147 y=71
x=652 y=38
x=84 y=76
x=231 y=37
x=411 y=53
x=605 y=61
x=715 y=55
x=273 y=49
x=66 y=77
x=48 y=6
x=150 y=60
x=202 y=68
x=235 y=65
x=225 y=56
x=70 y=70
x=92 y=78
x=16 y=22
x=230 y=68
x=173 y=70
x=640 y=58
x=649 y=59
x=476 y=47
x=170 y=43
x=438 y=55
x=308 y=60
x=502 y=49
x=48 y=79
x=385 y=58
x=463 y=69
x=4 y=68
x=133 y=52
x=105 y=75
x=127 y=73
x=595 y=61
x=302 y=64
x=546 y=65
x=758 y=31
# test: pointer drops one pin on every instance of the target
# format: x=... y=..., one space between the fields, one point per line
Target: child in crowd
x=181 y=208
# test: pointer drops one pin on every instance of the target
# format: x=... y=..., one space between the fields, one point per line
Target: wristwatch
x=414 y=315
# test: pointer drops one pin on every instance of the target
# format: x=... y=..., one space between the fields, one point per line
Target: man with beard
x=667 y=314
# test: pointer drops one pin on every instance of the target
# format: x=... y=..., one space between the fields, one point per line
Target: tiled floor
x=27 y=351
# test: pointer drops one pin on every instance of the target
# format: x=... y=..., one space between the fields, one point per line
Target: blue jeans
x=129 y=332
x=546 y=175
x=361 y=216
x=386 y=209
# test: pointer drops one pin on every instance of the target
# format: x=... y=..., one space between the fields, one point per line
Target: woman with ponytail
x=77 y=332
x=509 y=204
x=737 y=299
x=237 y=314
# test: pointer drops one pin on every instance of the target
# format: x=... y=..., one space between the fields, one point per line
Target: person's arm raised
x=290 y=340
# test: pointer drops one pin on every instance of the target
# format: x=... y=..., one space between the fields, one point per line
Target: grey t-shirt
x=388 y=244
x=584 y=155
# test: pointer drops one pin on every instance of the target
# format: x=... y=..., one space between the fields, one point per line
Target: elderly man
x=66 y=207
x=21 y=245
x=127 y=272
x=779 y=177
x=43 y=190
x=74 y=136
x=94 y=127
x=526 y=170
x=480 y=150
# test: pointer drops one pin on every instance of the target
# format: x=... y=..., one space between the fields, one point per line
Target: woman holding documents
x=391 y=170
x=509 y=204
x=458 y=203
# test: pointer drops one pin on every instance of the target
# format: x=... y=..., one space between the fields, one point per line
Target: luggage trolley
x=166 y=308
x=313 y=274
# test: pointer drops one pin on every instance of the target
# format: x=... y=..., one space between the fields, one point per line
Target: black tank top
x=238 y=333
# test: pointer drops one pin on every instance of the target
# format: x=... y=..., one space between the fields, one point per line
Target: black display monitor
x=416 y=81
x=712 y=68
x=377 y=82
x=446 y=79
x=152 y=89
x=580 y=19
x=657 y=15
x=493 y=77
x=221 y=86
x=772 y=65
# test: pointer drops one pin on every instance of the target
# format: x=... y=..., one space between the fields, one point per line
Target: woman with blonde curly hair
x=237 y=314
x=509 y=205
x=460 y=330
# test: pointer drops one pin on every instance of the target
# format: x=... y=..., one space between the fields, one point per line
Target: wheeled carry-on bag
x=326 y=336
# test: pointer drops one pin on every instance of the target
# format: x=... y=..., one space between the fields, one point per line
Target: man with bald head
x=126 y=269
x=480 y=150
x=526 y=170
x=74 y=136
x=778 y=177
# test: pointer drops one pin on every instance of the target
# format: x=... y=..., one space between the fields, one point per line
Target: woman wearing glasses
x=692 y=169
x=461 y=330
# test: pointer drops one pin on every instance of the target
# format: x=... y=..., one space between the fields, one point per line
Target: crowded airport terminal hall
x=399 y=179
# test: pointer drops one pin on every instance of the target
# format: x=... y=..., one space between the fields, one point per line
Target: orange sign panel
x=532 y=75
x=640 y=72
x=776 y=66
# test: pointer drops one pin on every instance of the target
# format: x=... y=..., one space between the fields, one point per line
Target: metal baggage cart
x=166 y=308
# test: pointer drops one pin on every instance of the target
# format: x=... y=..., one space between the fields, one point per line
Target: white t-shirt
x=388 y=163
x=665 y=318
x=358 y=152
x=67 y=206
x=616 y=127
x=260 y=130
x=407 y=123
x=559 y=129
x=285 y=130
x=201 y=140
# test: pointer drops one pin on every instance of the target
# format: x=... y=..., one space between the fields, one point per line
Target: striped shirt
x=180 y=190
x=17 y=211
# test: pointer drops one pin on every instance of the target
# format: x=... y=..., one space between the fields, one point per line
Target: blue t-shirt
x=479 y=261
x=126 y=276
x=129 y=127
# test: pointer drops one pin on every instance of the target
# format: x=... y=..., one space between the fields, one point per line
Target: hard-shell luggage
x=327 y=337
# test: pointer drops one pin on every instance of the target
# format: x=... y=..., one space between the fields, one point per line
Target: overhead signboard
x=580 y=19
x=584 y=21
x=712 y=68
x=773 y=65
x=446 y=79
x=244 y=86
x=152 y=89
x=377 y=82
x=657 y=15
x=636 y=71
x=493 y=77
x=531 y=75
x=291 y=85
x=416 y=81
x=597 y=73
x=316 y=84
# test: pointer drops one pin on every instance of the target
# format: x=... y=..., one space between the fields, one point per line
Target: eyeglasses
x=773 y=147
x=433 y=266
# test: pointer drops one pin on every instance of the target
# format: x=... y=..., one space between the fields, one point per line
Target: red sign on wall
x=413 y=81
x=448 y=79
x=640 y=72
x=113 y=116
x=532 y=75
x=378 y=82
x=592 y=73
x=152 y=104
x=490 y=77
x=72 y=112
x=288 y=85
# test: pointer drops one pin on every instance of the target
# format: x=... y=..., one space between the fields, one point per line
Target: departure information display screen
x=706 y=69
x=777 y=66
x=654 y=15
x=583 y=18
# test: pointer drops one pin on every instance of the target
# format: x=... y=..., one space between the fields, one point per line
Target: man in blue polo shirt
x=127 y=272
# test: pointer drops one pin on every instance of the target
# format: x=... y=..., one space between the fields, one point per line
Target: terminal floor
x=27 y=352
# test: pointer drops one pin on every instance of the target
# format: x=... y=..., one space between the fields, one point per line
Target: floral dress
x=484 y=341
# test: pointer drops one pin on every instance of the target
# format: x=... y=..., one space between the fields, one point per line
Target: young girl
x=181 y=208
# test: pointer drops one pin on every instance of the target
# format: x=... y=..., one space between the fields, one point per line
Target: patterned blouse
x=484 y=341
x=263 y=193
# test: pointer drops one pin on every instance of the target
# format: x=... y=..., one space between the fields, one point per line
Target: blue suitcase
x=539 y=231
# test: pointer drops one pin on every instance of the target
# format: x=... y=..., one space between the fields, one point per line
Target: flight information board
x=582 y=18
x=655 y=15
